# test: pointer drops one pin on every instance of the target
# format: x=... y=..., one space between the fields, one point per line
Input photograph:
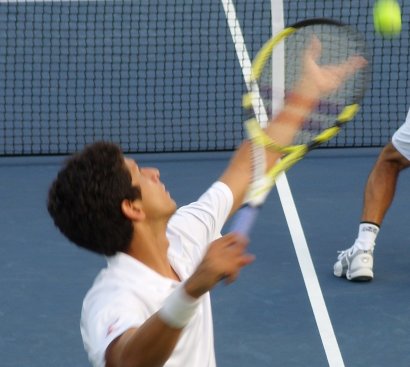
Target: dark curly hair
x=85 y=199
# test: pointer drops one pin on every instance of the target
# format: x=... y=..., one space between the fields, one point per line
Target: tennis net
x=161 y=76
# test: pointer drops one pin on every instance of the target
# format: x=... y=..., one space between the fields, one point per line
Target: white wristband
x=178 y=308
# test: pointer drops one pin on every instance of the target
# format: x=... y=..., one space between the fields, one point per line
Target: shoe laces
x=350 y=251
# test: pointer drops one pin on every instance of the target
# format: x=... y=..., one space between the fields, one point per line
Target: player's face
x=156 y=199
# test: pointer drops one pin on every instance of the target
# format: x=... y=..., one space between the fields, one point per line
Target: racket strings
x=337 y=45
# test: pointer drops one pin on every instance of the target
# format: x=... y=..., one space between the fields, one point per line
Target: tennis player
x=151 y=305
x=356 y=263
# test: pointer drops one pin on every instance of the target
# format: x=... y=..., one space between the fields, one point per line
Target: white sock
x=366 y=239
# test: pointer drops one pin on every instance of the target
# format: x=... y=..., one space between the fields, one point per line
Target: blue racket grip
x=244 y=219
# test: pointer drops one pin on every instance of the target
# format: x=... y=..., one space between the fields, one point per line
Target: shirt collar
x=135 y=270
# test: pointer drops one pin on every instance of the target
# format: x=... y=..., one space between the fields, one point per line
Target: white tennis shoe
x=354 y=264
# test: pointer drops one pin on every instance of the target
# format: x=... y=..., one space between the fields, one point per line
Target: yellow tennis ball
x=387 y=17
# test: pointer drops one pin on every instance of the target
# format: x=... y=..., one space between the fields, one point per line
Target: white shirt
x=126 y=293
x=401 y=138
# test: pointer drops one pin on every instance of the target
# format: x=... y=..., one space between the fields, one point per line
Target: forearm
x=153 y=342
x=281 y=130
x=315 y=82
x=150 y=345
x=238 y=174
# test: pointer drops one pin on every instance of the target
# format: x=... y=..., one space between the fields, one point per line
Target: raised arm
x=316 y=81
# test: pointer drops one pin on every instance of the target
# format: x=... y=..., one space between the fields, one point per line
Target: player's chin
x=173 y=206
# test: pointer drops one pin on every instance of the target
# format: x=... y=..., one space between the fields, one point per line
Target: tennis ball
x=387 y=17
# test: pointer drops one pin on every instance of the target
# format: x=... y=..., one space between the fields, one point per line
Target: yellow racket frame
x=292 y=154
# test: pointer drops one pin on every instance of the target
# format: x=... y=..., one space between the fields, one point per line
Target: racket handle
x=244 y=219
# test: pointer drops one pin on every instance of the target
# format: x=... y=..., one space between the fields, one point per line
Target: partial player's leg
x=356 y=263
x=381 y=184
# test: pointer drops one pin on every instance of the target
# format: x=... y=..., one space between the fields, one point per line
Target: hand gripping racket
x=338 y=44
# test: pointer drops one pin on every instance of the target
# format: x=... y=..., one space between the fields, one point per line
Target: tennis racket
x=339 y=43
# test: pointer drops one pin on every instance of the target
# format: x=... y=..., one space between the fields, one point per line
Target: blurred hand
x=224 y=259
x=321 y=80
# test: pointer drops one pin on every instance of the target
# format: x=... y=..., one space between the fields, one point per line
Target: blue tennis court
x=265 y=318
x=163 y=79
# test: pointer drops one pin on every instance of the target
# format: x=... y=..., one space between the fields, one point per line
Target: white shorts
x=401 y=138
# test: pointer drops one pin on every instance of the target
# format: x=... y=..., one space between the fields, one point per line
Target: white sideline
x=315 y=295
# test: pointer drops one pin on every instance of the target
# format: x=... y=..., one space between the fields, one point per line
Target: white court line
x=324 y=324
x=315 y=295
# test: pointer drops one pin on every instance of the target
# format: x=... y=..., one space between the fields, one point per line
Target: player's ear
x=133 y=210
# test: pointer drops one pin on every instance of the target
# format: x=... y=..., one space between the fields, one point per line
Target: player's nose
x=152 y=173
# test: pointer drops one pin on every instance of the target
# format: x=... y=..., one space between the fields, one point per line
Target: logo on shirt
x=112 y=327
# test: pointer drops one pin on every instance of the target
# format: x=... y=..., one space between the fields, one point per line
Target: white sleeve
x=201 y=222
x=102 y=323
